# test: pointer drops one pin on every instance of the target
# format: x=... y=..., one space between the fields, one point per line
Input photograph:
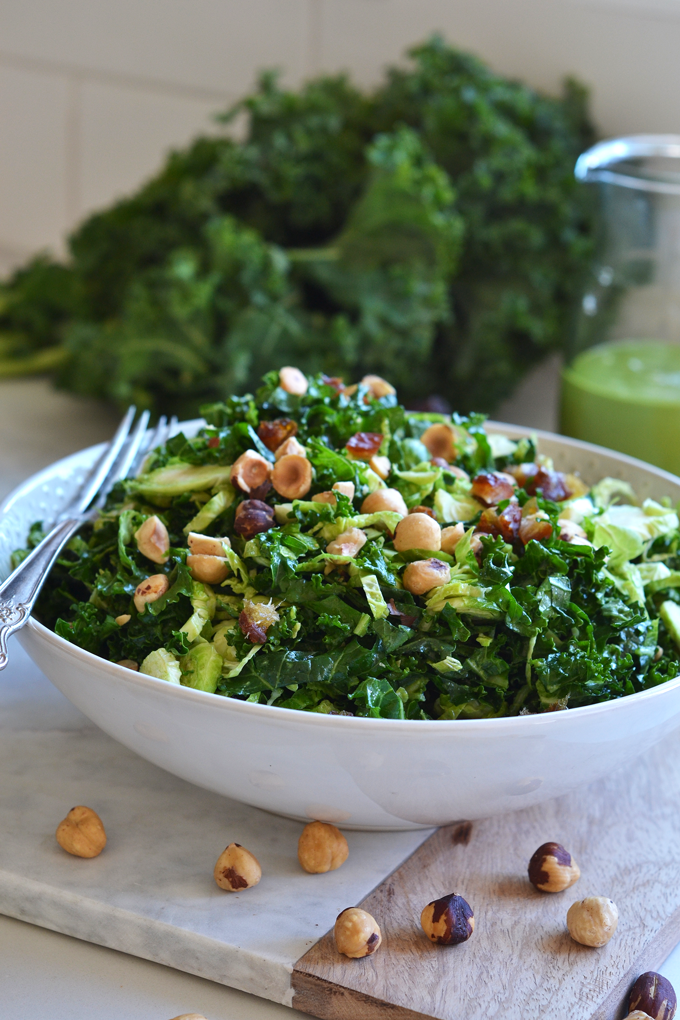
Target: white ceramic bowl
x=361 y=773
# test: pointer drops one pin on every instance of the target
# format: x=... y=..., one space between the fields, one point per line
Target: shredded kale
x=537 y=606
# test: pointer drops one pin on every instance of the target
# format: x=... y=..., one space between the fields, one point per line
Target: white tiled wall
x=94 y=92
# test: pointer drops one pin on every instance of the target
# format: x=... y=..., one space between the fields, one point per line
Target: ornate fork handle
x=19 y=593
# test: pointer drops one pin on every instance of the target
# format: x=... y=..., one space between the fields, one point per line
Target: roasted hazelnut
x=208 y=569
x=637 y=1014
x=592 y=921
x=653 y=995
x=418 y=531
x=490 y=487
x=290 y=446
x=451 y=536
x=292 y=476
x=572 y=532
x=253 y=517
x=293 y=381
x=346 y=488
x=274 y=433
x=321 y=848
x=381 y=466
x=152 y=540
x=552 y=868
x=129 y=664
x=81 y=833
x=440 y=440
x=123 y=619
x=377 y=386
x=348 y=543
x=384 y=499
x=364 y=445
x=206 y=545
x=250 y=471
x=448 y=920
x=237 y=869
x=150 y=590
x=424 y=510
x=423 y=575
x=325 y=497
x=189 y=1016
x=356 y=933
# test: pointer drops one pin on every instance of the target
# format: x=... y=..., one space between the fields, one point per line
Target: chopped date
x=335 y=381
x=491 y=487
x=550 y=484
x=405 y=619
x=535 y=528
x=274 y=433
x=252 y=630
x=364 y=445
x=213 y=442
x=506 y=524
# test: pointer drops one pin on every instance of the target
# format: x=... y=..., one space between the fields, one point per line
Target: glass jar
x=621 y=380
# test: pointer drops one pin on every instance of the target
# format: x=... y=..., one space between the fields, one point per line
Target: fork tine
x=154 y=440
x=129 y=456
x=103 y=467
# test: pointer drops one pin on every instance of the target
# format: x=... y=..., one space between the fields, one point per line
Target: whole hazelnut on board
x=592 y=921
x=653 y=994
x=150 y=590
x=152 y=540
x=292 y=476
x=552 y=868
x=237 y=869
x=418 y=531
x=81 y=833
x=253 y=517
x=321 y=848
x=293 y=381
x=423 y=575
x=356 y=933
x=384 y=499
x=448 y=920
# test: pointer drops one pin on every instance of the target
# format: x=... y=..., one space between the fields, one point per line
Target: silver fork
x=122 y=457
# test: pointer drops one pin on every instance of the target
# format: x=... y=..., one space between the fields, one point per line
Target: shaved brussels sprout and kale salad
x=318 y=547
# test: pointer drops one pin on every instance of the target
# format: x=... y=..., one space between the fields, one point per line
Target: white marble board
x=151 y=892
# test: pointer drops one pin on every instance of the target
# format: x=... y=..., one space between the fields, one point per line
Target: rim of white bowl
x=319 y=719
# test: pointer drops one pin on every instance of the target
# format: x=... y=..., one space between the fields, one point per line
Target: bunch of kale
x=430 y=231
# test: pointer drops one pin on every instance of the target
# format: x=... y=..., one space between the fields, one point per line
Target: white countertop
x=44 y=974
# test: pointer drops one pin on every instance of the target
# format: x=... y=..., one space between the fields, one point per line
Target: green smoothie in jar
x=625 y=394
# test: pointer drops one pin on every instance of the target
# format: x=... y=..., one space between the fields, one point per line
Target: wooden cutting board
x=520 y=963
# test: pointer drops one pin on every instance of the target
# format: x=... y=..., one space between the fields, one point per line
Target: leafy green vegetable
x=513 y=626
x=430 y=228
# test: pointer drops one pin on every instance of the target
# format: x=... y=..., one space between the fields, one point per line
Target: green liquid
x=626 y=395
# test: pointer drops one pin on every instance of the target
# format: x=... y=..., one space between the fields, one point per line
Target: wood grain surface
x=520 y=963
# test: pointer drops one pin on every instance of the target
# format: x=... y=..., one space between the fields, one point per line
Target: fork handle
x=20 y=591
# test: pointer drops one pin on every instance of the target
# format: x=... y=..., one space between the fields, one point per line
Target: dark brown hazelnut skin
x=552 y=868
x=253 y=517
x=448 y=920
x=653 y=994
